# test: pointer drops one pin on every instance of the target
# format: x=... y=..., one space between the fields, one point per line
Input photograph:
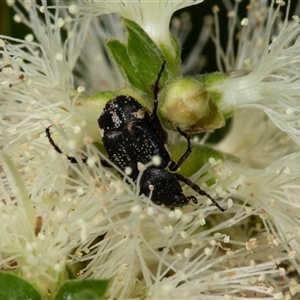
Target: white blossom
x=153 y=16
x=255 y=140
x=272 y=84
x=51 y=206
x=271 y=193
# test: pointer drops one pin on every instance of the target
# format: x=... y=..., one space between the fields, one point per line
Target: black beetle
x=132 y=136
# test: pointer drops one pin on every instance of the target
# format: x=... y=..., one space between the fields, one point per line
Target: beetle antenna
x=196 y=188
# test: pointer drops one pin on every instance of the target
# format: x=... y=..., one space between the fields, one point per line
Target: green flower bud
x=184 y=102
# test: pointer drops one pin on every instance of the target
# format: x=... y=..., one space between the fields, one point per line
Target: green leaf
x=120 y=55
x=16 y=288
x=173 y=59
x=88 y=289
x=144 y=54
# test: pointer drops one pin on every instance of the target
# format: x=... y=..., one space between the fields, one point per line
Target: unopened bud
x=184 y=102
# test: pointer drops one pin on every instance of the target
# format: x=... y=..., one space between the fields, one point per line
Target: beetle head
x=164 y=187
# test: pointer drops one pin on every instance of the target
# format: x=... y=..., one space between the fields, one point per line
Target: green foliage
x=13 y=287
x=140 y=59
x=89 y=289
x=16 y=288
x=119 y=52
x=144 y=53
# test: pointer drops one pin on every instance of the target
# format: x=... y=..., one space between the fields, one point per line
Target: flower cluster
x=57 y=213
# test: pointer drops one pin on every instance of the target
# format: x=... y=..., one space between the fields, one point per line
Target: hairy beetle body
x=130 y=136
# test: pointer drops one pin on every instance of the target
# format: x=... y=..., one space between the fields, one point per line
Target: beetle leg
x=196 y=188
x=194 y=199
x=70 y=158
x=175 y=166
x=105 y=163
x=156 y=87
x=57 y=149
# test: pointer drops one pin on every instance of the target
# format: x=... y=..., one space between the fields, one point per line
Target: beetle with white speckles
x=135 y=138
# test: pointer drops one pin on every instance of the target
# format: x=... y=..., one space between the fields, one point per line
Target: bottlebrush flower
x=55 y=213
x=268 y=65
x=153 y=16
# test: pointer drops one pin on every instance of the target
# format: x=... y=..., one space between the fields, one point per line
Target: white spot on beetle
x=139 y=114
x=101 y=132
x=115 y=118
